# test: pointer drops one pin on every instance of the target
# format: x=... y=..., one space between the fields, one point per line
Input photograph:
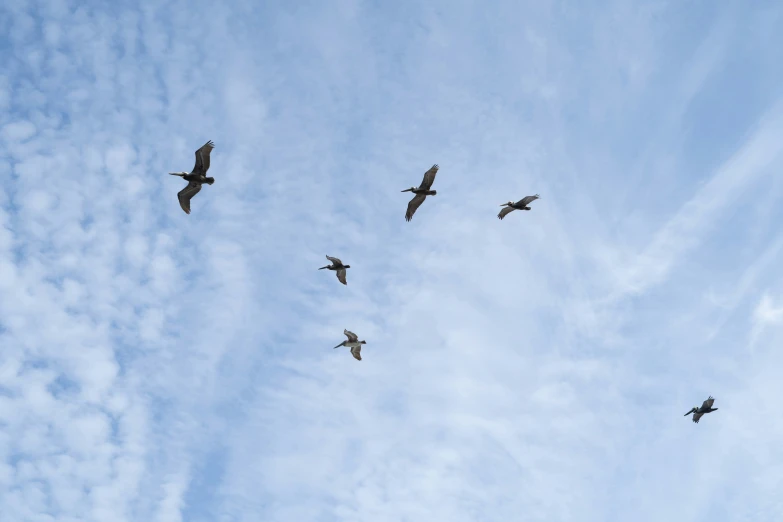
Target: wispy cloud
x=159 y=366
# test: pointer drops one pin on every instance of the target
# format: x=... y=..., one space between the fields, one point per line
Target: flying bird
x=522 y=204
x=422 y=192
x=706 y=407
x=353 y=343
x=196 y=178
x=338 y=267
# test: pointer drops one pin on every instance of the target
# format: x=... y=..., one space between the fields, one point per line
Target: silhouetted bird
x=354 y=344
x=422 y=192
x=196 y=178
x=338 y=267
x=706 y=407
x=522 y=204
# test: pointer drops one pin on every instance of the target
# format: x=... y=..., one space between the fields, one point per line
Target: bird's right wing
x=696 y=417
x=341 y=276
x=202 y=158
x=429 y=178
x=351 y=336
x=413 y=205
x=334 y=260
x=186 y=194
x=505 y=212
x=526 y=200
x=356 y=351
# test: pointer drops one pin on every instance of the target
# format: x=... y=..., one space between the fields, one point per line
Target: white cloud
x=767 y=311
x=160 y=366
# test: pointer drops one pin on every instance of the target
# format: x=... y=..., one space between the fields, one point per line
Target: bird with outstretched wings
x=421 y=192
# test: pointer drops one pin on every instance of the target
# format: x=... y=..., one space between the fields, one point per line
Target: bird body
x=196 y=178
x=338 y=267
x=421 y=192
x=353 y=343
x=706 y=407
x=522 y=204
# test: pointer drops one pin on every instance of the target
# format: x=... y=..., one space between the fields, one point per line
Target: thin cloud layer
x=160 y=366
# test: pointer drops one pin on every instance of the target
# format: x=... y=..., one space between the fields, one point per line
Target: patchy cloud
x=163 y=366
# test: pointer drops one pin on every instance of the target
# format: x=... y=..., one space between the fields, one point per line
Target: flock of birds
x=198 y=176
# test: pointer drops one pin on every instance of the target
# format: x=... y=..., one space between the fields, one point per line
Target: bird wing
x=351 y=336
x=505 y=212
x=413 y=205
x=185 y=194
x=334 y=260
x=697 y=416
x=708 y=403
x=341 y=276
x=202 y=158
x=526 y=200
x=429 y=178
x=356 y=351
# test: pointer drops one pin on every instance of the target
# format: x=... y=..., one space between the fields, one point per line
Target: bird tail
x=434 y=193
x=210 y=180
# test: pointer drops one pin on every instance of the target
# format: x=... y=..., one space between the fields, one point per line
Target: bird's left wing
x=356 y=351
x=505 y=212
x=334 y=260
x=429 y=178
x=413 y=205
x=352 y=337
x=202 y=158
x=186 y=194
x=708 y=403
x=341 y=276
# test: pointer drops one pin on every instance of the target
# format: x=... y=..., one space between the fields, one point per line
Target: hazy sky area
x=163 y=367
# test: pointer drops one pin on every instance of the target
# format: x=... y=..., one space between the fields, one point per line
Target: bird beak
x=406 y=190
x=175 y=173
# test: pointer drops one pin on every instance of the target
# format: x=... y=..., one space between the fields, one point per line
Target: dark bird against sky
x=421 y=192
x=196 y=178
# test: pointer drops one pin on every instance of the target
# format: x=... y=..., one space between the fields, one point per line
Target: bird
x=196 y=178
x=706 y=407
x=421 y=192
x=338 y=267
x=353 y=343
x=522 y=204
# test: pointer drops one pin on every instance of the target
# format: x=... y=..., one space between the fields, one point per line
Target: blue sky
x=162 y=367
